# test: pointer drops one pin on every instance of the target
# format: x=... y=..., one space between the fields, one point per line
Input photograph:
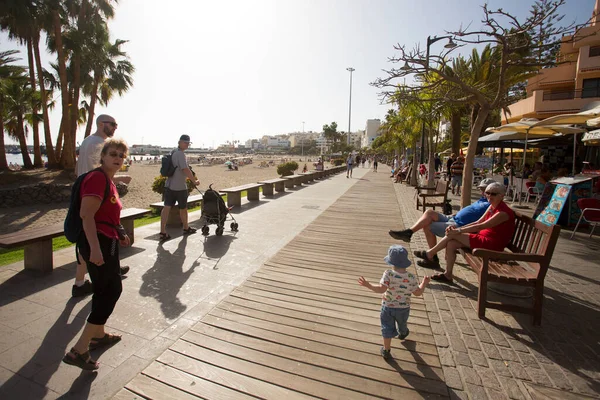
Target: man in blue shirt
x=435 y=224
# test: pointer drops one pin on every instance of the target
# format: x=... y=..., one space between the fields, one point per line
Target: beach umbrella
x=532 y=127
x=588 y=113
x=228 y=163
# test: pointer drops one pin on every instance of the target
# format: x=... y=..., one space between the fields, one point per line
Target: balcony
x=546 y=103
x=570 y=94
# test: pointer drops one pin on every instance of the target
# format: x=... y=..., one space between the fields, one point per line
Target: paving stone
x=483 y=336
x=469 y=375
x=528 y=360
x=434 y=317
x=464 y=303
x=446 y=316
x=458 y=394
x=441 y=341
x=472 y=316
x=518 y=346
x=511 y=388
x=498 y=337
x=465 y=327
x=557 y=376
x=478 y=358
x=462 y=359
x=459 y=314
x=540 y=377
x=518 y=371
x=496 y=394
x=509 y=355
x=491 y=351
x=451 y=328
x=471 y=342
x=476 y=392
x=452 y=377
x=476 y=323
x=488 y=378
x=446 y=357
x=500 y=367
x=540 y=355
x=437 y=328
x=457 y=344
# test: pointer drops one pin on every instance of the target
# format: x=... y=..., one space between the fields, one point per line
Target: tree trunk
x=465 y=199
x=431 y=158
x=22 y=143
x=415 y=164
x=76 y=67
x=93 y=98
x=67 y=158
x=37 y=153
x=52 y=161
x=456 y=131
x=3 y=162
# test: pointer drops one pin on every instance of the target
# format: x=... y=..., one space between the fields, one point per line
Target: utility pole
x=350 y=105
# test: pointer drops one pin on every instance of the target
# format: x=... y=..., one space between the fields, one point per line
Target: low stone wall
x=42 y=193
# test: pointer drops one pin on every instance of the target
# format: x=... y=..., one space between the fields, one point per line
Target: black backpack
x=73 y=222
x=167 y=168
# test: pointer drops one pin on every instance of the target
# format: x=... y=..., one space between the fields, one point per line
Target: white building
x=445 y=129
x=278 y=142
x=356 y=139
x=371 y=132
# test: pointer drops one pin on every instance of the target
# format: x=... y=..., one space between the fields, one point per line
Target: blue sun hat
x=397 y=257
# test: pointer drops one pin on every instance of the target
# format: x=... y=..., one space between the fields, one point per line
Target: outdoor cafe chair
x=532 y=191
x=590 y=213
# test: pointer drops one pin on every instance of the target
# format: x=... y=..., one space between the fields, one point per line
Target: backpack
x=167 y=168
x=447 y=208
x=73 y=222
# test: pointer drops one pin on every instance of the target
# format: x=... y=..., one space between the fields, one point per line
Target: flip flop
x=164 y=237
x=421 y=254
x=107 y=340
x=189 y=231
x=441 y=278
x=81 y=360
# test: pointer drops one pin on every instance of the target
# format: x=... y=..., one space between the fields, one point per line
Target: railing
x=570 y=94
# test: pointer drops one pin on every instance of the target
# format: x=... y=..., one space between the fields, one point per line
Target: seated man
x=435 y=224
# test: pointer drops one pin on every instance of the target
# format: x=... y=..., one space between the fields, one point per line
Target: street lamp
x=302 y=139
x=430 y=41
x=350 y=105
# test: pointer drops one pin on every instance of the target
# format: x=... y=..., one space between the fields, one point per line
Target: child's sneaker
x=402 y=337
x=386 y=354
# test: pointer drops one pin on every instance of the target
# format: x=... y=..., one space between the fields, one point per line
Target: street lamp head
x=406 y=67
x=350 y=69
x=450 y=44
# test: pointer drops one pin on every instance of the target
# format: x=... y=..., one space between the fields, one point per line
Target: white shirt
x=89 y=154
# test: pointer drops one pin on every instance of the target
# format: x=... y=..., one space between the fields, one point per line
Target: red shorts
x=477 y=241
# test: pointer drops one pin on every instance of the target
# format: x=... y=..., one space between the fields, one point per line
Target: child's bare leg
x=387 y=343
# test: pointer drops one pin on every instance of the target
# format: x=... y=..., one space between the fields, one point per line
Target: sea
x=18 y=158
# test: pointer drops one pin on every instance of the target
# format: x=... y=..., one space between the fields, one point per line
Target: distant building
x=371 y=132
x=570 y=86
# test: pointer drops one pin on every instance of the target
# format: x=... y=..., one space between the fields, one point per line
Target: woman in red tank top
x=493 y=231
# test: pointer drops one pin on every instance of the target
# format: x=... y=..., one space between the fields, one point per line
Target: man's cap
x=397 y=257
x=484 y=183
x=185 y=138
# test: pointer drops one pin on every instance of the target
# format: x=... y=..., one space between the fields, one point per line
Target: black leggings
x=106 y=279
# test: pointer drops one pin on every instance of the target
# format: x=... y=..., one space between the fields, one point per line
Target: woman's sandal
x=81 y=360
x=441 y=278
x=164 y=237
x=107 y=340
x=421 y=254
x=189 y=231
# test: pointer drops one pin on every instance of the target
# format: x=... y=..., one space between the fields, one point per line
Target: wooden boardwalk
x=301 y=326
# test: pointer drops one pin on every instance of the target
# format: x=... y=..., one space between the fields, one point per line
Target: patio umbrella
x=589 y=112
x=533 y=127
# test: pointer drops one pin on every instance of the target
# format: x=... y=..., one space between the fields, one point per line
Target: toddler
x=397 y=285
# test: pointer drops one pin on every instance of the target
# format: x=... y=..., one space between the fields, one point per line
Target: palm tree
x=7 y=73
x=17 y=103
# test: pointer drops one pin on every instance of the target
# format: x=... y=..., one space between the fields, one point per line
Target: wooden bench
x=526 y=264
x=279 y=184
x=433 y=196
x=406 y=178
x=234 y=194
x=293 y=180
x=37 y=242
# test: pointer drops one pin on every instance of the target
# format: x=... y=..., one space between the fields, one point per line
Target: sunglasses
x=113 y=124
x=491 y=194
x=116 y=154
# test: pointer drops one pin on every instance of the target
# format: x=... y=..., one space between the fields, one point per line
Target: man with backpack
x=89 y=158
x=176 y=188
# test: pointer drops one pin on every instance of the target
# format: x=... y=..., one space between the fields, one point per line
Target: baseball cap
x=484 y=183
x=184 y=138
x=397 y=257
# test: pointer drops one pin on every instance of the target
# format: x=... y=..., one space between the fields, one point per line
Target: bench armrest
x=431 y=194
x=503 y=255
x=425 y=187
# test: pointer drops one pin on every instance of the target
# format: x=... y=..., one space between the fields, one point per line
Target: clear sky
x=239 y=69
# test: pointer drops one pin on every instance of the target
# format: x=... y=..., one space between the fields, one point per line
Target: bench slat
x=242 y=188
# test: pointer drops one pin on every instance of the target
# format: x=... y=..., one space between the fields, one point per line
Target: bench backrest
x=534 y=237
x=441 y=187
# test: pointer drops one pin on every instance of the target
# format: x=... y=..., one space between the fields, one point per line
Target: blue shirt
x=471 y=213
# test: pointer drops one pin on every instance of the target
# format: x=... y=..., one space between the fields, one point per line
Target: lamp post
x=430 y=41
x=302 y=139
x=350 y=105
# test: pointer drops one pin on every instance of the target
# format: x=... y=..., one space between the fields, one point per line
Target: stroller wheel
x=234 y=226
x=219 y=231
x=205 y=230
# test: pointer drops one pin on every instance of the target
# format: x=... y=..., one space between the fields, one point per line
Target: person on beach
x=493 y=231
x=99 y=247
x=374 y=164
x=396 y=285
x=349 y=164
x=435 y=224
x=89 y=158
x=176 y=191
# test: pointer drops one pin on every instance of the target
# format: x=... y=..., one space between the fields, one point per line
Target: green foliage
x=287 y=168
x=158 y=185
x=337 y=161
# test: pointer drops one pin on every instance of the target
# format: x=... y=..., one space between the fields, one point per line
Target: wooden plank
x=370 y=366
x=152 y=389
x=262 y=367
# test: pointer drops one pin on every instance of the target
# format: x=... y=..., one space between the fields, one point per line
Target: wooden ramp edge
x=301 y=326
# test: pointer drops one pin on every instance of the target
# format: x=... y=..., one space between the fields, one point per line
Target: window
x=591 y=88
x=594 y=51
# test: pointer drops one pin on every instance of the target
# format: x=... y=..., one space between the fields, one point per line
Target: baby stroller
x=214 y=211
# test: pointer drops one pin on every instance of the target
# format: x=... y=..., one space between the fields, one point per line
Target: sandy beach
x=140 y=193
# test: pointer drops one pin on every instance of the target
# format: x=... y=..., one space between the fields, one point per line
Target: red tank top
x=503 y=233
